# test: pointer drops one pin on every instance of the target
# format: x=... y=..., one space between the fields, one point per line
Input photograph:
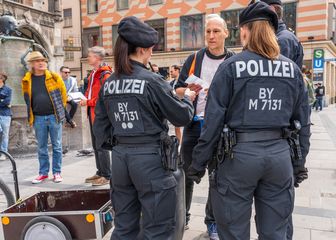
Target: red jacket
x=100 y=76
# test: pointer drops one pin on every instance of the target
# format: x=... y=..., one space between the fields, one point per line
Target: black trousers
x=103 y=159
x=69 y=115
x=142 y=188
x=261 y=172
x=190 y=138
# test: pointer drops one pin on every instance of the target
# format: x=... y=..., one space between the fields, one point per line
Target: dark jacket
x=138 y=105
x=320 y=91
x=5 y=101
x=289 y=44
x=250 y=98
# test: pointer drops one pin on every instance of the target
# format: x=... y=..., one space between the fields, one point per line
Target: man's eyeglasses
x=67 y=72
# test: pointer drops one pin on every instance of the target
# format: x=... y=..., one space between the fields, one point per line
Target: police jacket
x=252 y=93
x=290 y=46
x=138 y=105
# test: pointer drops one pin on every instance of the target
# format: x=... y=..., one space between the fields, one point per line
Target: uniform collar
x=138 y=64
x=281 y=26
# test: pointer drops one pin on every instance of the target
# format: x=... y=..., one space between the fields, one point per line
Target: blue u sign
x=318 y=63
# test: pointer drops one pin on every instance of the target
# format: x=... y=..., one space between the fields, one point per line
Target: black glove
x=300 y=174
x=195 y=175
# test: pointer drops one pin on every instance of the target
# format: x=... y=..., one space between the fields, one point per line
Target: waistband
x=137 y=140
x=265 y=135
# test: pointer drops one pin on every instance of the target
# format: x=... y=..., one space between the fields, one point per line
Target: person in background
x=101 y=71
x=45 y=96
x=204 y=65
x=71 y=87
x=309 y=84
x=156 y=69
x=174 y=74
x=289 y=44
x=5 y=113
x=319 y=93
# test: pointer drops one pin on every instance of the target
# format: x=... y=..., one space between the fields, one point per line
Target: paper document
x=77 y=96
x=196 y=80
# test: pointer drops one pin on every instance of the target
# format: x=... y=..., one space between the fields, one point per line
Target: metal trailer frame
x=75 y=221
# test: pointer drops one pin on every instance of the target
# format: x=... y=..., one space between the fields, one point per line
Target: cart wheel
x=45 y=228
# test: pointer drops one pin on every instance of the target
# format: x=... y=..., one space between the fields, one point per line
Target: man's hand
x=195 y=87
x=300 y=174
x=190 y=94
x=83 y=102
x=195 y=175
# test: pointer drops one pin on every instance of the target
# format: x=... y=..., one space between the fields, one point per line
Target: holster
x=169 y=150
x=293 y=139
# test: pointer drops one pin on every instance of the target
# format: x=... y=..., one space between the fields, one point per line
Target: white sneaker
x=58 y=178
x=3 y=158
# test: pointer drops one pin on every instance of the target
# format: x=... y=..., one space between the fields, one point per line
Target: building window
x=232 y=20
x=67 y=15
x=159 y=26
x=114 y=34
x=69 y=56
x=92 y=6
x=289 y=16
x=91 y=37
x=122 y=4
x=192 y=32
x=155 y=2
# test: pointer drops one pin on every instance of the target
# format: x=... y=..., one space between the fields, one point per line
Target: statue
x=8 y=25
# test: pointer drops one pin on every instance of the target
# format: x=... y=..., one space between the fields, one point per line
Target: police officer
x=131 y=115
x=257 y=94
x=289 y=44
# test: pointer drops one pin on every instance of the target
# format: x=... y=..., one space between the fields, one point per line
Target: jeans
x=103 y=159
x=319 y=103
x=45 y=126
x=69 y=115
x=5 y=122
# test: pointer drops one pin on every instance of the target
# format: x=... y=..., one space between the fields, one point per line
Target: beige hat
x=34 y=56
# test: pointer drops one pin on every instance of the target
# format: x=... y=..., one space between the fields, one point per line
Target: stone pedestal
x=79 y=137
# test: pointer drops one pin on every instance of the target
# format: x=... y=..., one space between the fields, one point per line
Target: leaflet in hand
x=196 y=80
x=77 y=96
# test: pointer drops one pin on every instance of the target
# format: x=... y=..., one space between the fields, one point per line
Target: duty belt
x=138 y=140
x=265 y=135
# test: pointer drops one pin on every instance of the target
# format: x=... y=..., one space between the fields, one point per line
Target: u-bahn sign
x=318 y=61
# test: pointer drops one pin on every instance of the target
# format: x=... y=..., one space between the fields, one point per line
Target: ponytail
x=122 y=63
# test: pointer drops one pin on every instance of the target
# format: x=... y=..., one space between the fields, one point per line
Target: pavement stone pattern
x=315 y=204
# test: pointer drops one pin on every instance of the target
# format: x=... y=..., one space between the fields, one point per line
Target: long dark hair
x=122 y=63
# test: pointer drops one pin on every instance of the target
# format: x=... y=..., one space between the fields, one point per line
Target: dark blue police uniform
x=257 y=98
x=131 y=116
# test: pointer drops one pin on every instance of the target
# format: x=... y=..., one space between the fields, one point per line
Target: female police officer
x=257 y=93
x=132 y=111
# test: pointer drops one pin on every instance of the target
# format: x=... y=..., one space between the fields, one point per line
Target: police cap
x=270 y=2
x=137 y=33
x=256 y=12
